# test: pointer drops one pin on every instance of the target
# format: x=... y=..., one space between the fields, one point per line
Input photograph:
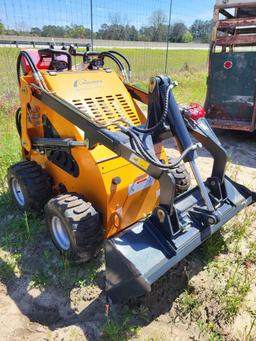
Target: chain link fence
x=136 y=28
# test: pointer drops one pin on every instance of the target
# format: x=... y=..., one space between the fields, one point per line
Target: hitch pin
x=201 y=185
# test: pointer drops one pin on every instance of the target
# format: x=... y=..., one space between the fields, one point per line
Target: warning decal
x=141 y=184
x=139 y=162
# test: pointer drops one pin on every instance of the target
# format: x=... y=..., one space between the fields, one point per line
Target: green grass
x=188 y=68
x=237 y=287
x=147 y=63
x=188 y=304
x=252 y=252
x=209 y=328
x=121 y=327
x=8 y=84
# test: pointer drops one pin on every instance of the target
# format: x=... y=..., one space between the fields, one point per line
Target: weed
x=252 y=252
x=121 y=328
x=39 y=280
x=47 y=255
x=10 y=266
x=214 y=337
x=209 y=329
x=213 y=247
x=19 y=230
x=111 y=331
x=238 y=229
x=237 y=287
x=188 y=305
x=248 y=335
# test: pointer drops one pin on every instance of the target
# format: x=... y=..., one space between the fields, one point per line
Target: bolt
x=116 y=180
x=211 y=220
x=87 y=143
x=161 y=215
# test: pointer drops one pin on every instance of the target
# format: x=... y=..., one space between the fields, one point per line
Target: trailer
x=231 y=84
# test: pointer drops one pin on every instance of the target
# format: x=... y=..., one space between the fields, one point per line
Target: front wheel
x=74 y=226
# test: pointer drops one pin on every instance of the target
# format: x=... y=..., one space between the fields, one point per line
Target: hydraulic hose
x=110 y=54
x=31 y=64
x=152 y=160
x=126 y=60
x=117 y=61
x=163 y=118
x=35 y=71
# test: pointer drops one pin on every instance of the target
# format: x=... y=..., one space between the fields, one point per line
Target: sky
x=24 y=14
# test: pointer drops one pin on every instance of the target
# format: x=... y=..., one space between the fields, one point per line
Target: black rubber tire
x=81 y=223
x=34 y=182
x=182 y=177
x=18 y=121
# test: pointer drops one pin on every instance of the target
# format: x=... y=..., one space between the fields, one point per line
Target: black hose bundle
x=116 y=60
x=126 y=60
x=144 y=153
x=163 y=118
x=29 y=60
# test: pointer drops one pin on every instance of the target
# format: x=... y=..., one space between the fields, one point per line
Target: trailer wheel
x=74 y=226
x=181 y=176
x=30 y=185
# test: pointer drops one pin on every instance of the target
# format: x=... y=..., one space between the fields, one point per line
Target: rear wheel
x=30 y=185
x=181 y=176
x=75 y=227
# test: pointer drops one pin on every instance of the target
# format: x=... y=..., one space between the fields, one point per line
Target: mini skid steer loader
x=99 y=168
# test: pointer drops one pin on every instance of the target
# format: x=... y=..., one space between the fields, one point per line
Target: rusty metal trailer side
x=231 y=85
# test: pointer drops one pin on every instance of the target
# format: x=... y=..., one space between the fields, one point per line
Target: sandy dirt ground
x=50 y=314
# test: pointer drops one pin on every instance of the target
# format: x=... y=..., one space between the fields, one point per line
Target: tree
x=77 y=31
x=2 y=28
x=117 y=31
x=146 y=33
x=131 y=33
x=187 y=37
x=35 y=31
x=178 y=30
x=201 y=30
x=11 y=32
x=158 y=27
x=53 y=31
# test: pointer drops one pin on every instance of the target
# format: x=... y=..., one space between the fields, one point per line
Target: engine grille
x=108 y=108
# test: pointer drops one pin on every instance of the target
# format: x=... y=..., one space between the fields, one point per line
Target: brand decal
x=81 y=84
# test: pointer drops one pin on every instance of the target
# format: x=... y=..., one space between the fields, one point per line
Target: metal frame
x=36 y=42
